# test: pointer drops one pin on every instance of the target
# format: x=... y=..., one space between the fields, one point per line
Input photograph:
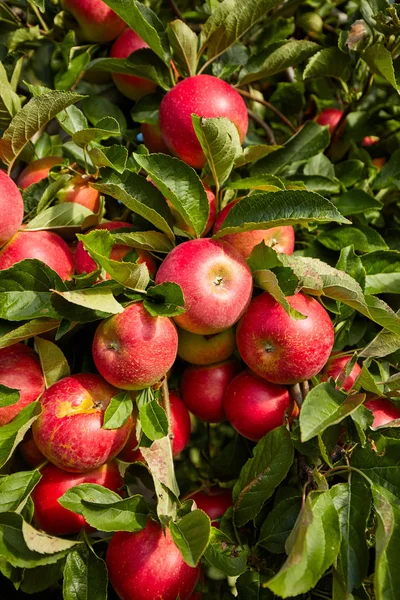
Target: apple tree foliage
x=316 y=505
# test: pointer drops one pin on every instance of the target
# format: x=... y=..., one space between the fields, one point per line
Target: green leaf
x=28 y=330
x=267 y=63
x=319 y=165
x=114 y=157
x=251 y=586
x=316 y=183
x=278 y=525
x=353 y=503
x=39 y=579
x=382 y=272
x=387 y=574
x=66 y=214
x=118 y=411
x=95 y=107
x=268 y=281
x=146 y=109
x=142 y=63
x=270 y=183
x=15 y=488
x=253 y=153
x=53 y=362
x=312 y=547
x=384 y=343
x=328 y=62
x=72 y=120
x=389 y=175
x=324 y=406
x=30 y=119
x=309 y=141
x=12 y=433
x=351 y=264
x=362 y=419
x=191 y=535
x=181 y=185
x=356 y=202
x=25 y=291
x=273 y=456
x=165 y=299
x=105 y=128
x=65 y=79
x=85 y=576
x=220 y=141
x=380 y=463
x=380 y=61
x=183 y=41
x=364 y=239
x=153 y=420
x=98 y=299
x=8 y=396
x=224 y=555
x=349 y=171
x=286 y=207
x=154 y=241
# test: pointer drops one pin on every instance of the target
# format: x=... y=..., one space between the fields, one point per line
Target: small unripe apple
x=330 y=117
x=216 y=283
x=214 y=502
x=69 y=429
x=206 y=349
x=131 y=86
x=53 y=518
x=153 y=139
x=205 y=96
x=336 y=368
x=46 y=246
x=282 y=349
x=281 y=239
x=146 y=565
x=133 y=350
x=11 y=208
x=20 y=370
x=180 y=425
x=254 y=406
x=383 y=410
x=203 y=389
x=97 y=22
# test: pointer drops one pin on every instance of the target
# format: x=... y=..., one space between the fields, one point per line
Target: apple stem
x=167 y=408
x=296 y=393
x=268 y=105
x=305 y=388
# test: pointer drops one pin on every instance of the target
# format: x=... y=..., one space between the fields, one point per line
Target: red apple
x=180 y=423
x=336 y=368
x=379 y=162
x=369 y=140
x=383 y=410
x=153 y=139
x=46 y=246
x=203 y=389
x=216 y=284
x=205 y=96
x=214 y=502
x=129 y=85
x=53 y=518
x=30 y=452
x=206 y=349
x=84 y=263
x=11 y=208
x=147 y=565
x=282 y=349
x=281 y=239
x=330 y=117
x=133 y=350
x=69 y=429
x=37 y=170
x=254 y=406
x=20 y=369
x=97 y=22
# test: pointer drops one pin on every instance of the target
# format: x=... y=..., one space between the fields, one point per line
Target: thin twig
x=268 y=131
x=270 y=106
x=296 y=393
x=176 y=10
x=40 y=18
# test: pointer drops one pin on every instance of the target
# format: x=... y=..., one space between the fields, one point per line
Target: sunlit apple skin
x=79 y=191
x=129 y=85
x=180 y=424
x=336 y=368
x=205 y=96
x=216 y=283
x=84 y=263
x=153 y=139
x=97 y=22
x=30 y=452
x=53 y=518
x=254 y=406
x=20 y=369
x=11 y=208
x=37 y=170
x=203 y=388
x=147 y=565
x=133 y=350
x=69 y=429
x=215 y=502
x=281 y=239
x=206 y=349
x=282 y=349
x=330 y=117
x=383 y=410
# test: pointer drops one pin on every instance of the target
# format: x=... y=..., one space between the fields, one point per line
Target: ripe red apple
x=147 y=565
x=11 y=208
x=30 y=452
x=53 y=518
x=336 y=368
x=254 y=406
x=216 y=284
x=330 y=117
x=84 y=263
x=383 y=410
x=37 y=170
x=281 y=239
x=282 y=349
x=180 y=424
x=203 y=389
x=69 y=429
x=369 y=140
x=214 y=502
x=133 y=350
x=97 y=22
x=153 y=139
x=206 y=349
x=129 y=85
x=205 y=96
x=20 y=369
x=46 y=246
